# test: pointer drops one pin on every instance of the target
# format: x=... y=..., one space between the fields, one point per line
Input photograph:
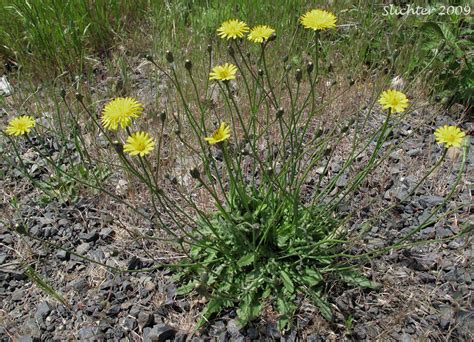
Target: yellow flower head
x=260 y=33
x=394 y=100
x=20 y=125
x=220 y=134
x=139 y=143
x=232 y=29
x=449 y=135
x=318 y=20
x=224 y=72
x=120 y=111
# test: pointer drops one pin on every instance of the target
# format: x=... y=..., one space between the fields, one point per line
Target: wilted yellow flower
x=20 y=125
x=220 y=134
x=139 y=143
x=120 y=111
x=394 y=100
x=450 y=136
x=224 y=72
x=232 y=29
x=318 y=20
x=260 y=33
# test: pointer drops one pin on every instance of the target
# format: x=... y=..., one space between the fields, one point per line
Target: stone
x=80 y=284
x=145 y=319
x=129 y=323
x=89 y=333
x=30 y=328
x=114 y=310
x=106 y=234
x=42 y=311
x=160 y=333
x=431 y=201
x=90 y=236
x=62 y=254
x=83 y=248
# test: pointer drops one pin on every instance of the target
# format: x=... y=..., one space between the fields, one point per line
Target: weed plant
x=257 y=137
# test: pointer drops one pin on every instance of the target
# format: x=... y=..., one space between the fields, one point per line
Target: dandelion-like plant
x=220 y=134
x=318 y=20
x=450 y=136
x=260 y=33
x=120 y=111
x=224 y=72
x=20 y=125
x=232 y=29
x=139 y=143
x=394 y=100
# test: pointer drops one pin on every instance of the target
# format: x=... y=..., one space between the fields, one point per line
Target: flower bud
x=288 y=67
x=285 y=59
x=195 y=173
x=79 y=97
x=163 y=116
x=188 y=65
x=62 y=93
x=309 y=67
x=230 y=50
x=272 y=37
x=169 y=56
x=280 y=113
x=209 y=48
x=260 y=72
x=149 y=57
x=327 y=150
x=298 y=75
x=118 y=146
x=177 y=131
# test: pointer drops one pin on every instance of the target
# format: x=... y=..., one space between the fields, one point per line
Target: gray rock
x=89 y=333
x=129 y=323
x=42 y=312
x=431 y=201
x=17 y=295
x=106 y=233
x=114 y=310
x=80 y=284
x=90 y=236
x=83 y=248
x=62 y=255
x=31 y=328
x=145 y=319
x=160 y=333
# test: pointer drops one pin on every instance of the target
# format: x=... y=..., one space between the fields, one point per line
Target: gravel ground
x=426 y=293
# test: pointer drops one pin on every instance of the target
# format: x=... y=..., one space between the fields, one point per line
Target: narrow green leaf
x=44 y=285
x=287 y=282
x=354 y=278
x=246 y=260
x=323 y=306
x=311 y=277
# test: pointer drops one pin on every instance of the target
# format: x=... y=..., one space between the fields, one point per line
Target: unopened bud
x=149 y=57
x=344 y=129
x=272 y=37
x=328 y=150
x=169 y=56
x=195 y=173
x=330 y=68
x=230 y=50
x=188 y=65
x=260 y=72
x=270 y=170
x=318 y=132
x=62 y=93
x=298 y=75
x=163 y=116
x=437 y=98
x=288 y=67
x=280 y=113
x=351 y=82
x=177 y=131
x=118 y=146
x=309 y=67
x=209 y=48
x=285 y=59
x=79 y=97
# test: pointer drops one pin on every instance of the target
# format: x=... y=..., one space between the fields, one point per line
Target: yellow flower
x=232 y=29
x=120 y=111
x=449 y=135
x=220 y=134
x=394 y=100
x=224 y=72
x=20 y=125
x=260 y=33
x=139 y=143
x=318 y=20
